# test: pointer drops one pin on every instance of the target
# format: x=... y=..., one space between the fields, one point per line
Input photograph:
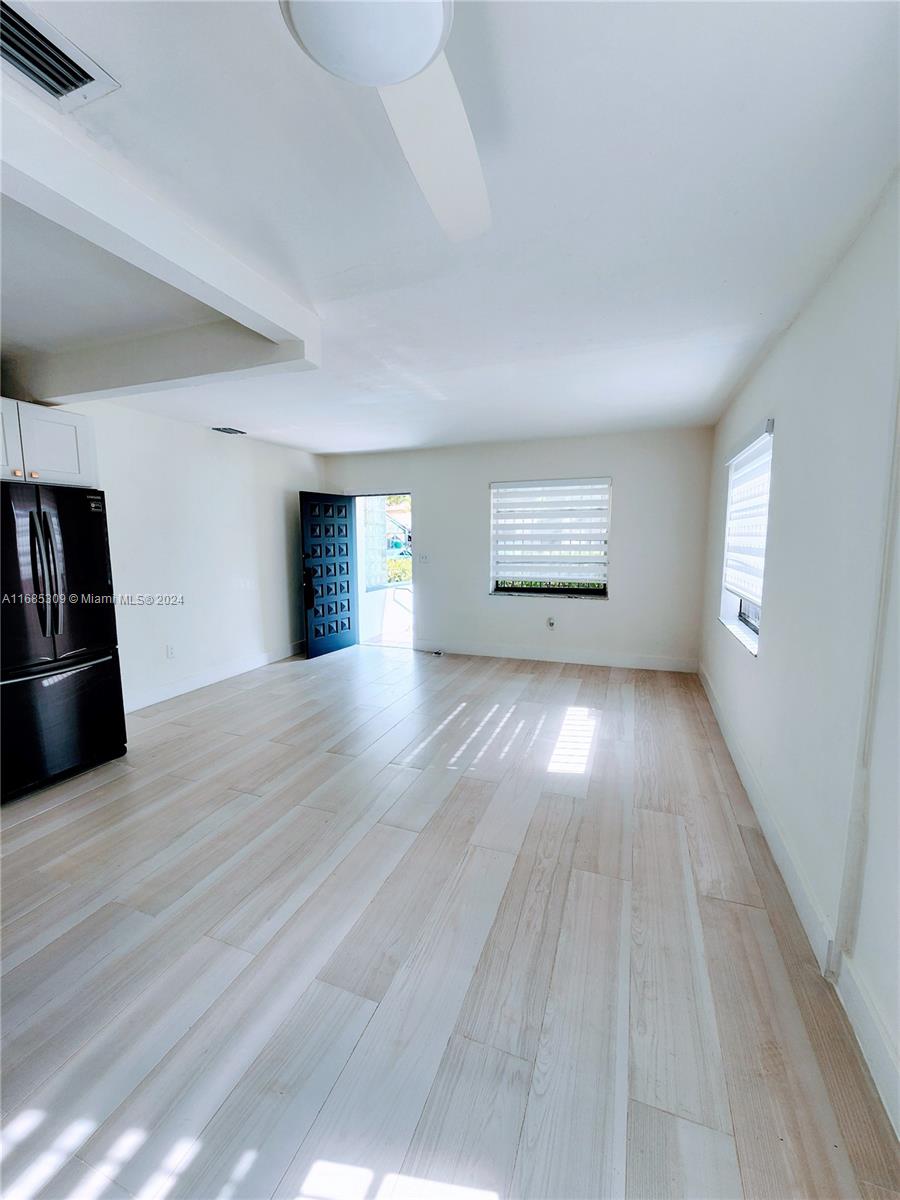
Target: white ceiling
x=60 y=291
x=668 y=182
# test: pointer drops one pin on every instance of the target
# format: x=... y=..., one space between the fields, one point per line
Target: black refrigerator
x=60 y=689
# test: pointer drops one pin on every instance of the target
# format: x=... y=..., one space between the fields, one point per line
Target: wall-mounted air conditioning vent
x=46 y=62
x=228 y=429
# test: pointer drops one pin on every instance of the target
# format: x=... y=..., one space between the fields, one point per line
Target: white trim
x=817 y=928
x=138 y=698
x=638 y=662
x=755 y=435
x=744 y=634
x=565 y=480
x=872 y=1034
x=858 y=822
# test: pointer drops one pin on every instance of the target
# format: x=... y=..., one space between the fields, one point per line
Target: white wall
x=657 y=540
x=210 y=516
x=791 y=716
x=869 y=982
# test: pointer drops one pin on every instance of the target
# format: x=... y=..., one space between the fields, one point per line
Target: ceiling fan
x=397 y=47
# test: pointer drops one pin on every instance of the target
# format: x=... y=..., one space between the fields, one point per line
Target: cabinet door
x=12 y=466
x=58 y=446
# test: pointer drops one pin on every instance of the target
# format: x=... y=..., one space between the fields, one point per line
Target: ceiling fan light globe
x=374 y=43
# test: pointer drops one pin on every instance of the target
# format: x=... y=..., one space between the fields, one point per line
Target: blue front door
x=329 y=571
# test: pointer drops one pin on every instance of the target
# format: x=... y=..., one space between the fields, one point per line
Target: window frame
x=748 y=618
x=732 y=605
x=549 y=589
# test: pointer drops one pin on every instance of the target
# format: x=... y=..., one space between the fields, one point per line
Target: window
x=745 y=539
x=549 y=537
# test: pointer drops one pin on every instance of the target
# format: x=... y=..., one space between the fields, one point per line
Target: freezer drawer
x=57 y=722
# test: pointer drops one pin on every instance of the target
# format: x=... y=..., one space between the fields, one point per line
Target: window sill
x=535 y=594
x=748 y=639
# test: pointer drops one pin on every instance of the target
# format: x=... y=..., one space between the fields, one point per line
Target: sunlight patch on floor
x=96 y=1181
x=572 y=751
x=46 y=1165
x=407 y=1187
x=179 y=1158
x=446 y=721
x=341 y=1181
x=537 y=732
x=506 y=749
x=474 y=734
x=336 y=1181
x=19 y=1129
x=241 y=1167
x=494 y=735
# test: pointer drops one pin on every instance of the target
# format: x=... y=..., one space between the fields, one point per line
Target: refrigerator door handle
x=39 y=570
x=62 y=669
x=55 y=582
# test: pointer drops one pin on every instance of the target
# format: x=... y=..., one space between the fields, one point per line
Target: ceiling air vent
x=46 y=62
x=228 y=429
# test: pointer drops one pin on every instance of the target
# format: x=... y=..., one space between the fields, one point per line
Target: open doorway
x=384 y=569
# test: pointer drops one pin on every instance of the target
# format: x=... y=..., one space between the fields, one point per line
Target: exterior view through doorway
x=384 y=569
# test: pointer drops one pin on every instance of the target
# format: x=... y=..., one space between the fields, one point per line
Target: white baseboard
x=812 y=919
x=639 y=662
x=875 y=1042
x=142 y=697
x=878 y=1047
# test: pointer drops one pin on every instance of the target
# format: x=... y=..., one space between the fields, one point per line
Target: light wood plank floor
x=388 y=926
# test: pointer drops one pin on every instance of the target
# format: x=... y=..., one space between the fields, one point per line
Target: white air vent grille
x=47 y=62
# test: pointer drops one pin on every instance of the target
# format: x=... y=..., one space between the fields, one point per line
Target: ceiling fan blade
x=431 y=125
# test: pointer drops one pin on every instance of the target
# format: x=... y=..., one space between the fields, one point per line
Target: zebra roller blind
x=550 y=536
x=747 y=522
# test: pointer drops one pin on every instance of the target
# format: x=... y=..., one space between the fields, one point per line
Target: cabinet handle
x=34 y=474
x=18 y=474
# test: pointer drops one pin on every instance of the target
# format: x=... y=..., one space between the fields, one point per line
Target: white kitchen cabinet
x=12 y=465
x=51 y=445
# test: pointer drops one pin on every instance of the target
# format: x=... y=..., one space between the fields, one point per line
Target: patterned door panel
x=329 y=571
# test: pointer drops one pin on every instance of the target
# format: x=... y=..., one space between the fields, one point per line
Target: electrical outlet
x=551 y=622
x=170 y=651
x=423 y=557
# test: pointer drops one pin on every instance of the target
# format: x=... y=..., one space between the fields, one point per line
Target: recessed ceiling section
x=79 y=323
x=61 y=292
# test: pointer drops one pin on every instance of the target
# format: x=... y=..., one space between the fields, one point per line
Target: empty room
x=450 y=547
